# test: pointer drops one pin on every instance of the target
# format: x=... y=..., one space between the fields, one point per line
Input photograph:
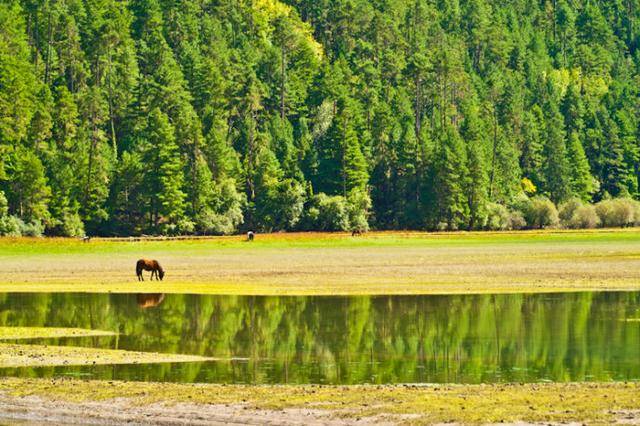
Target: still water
x=347 y=340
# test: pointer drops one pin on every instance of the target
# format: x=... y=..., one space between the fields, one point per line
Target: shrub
x=280 y=206
x=72 y=225
x=223 y=213
x=31 y=229
x=541 y=213
x=516 y=220
x=618 y=212
x=520 y=203
x=10 y=226
x=568 y=209
x=4 y=205
x=359 y=205
x=497 y=217
x=636 y=213
x=442 y=226
x=327 y=213
x=584 y=217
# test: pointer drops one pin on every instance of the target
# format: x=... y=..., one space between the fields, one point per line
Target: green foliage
x=27 y=189
x=540 y=212
x=359 y=206
x=327 y=213
x=617 y=212
x=11 y=226
x=577 y=215
x=161 y=117
x=162 y=180
x=497 y=217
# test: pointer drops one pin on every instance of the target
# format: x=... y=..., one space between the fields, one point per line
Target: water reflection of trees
x=358 y=339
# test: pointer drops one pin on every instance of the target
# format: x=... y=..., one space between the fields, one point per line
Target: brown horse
x=149 y=265
x=150 y=300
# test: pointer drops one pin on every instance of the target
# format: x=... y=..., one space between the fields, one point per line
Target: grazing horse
x=149 y=265
x=356 y=233
x=150 y=300
x=250 y=235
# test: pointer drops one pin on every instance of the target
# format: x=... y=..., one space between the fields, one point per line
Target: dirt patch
x=123 y=410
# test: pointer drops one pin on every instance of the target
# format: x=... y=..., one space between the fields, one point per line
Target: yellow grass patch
x=16 y=333
x=40 y=355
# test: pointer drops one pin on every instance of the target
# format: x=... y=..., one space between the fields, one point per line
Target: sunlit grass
x=323 y=264
x=13 y=355
x=17 y=333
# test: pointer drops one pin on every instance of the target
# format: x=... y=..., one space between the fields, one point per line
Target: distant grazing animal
x=86 y=239
x=356 y=233
x=250 y=235
x=150 y=300
x=149 y=265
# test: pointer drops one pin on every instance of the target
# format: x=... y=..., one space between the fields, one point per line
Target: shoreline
x=167 y=403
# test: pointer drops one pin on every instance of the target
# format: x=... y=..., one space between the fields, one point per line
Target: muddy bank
x=38 y=410
x=115 y=402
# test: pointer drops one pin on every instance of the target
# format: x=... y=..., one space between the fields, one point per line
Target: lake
x=587 y=336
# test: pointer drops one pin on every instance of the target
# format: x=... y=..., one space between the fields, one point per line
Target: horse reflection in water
x=149 y=300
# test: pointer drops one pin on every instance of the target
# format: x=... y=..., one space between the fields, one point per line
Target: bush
x=72 y=225
x=520 y=203
x=516 y=220
x=32 y=229
x=10 y=226
x=584 y=217
x=497 y=217
x=359 y=205
x=223 y=213
x=618 y=212
x=567 y=210
x=4 y=205
x=636 y=213
x=280 y=206
x=541 y=213
x=327 y=213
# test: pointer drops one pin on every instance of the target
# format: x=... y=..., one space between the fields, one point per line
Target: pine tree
x=450 y=174
x=28 y=192
x=580 y=175
x=556 y=169
x=476 y=184
x=163 y=180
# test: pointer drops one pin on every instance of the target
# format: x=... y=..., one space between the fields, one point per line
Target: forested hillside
x=123 y=117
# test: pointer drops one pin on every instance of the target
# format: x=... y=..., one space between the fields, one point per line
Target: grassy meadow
x=318 y=264
x=325 y=264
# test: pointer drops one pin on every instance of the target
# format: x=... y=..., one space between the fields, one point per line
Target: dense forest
x=122 y=117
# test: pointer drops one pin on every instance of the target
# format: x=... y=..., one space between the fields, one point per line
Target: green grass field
x=321 y=264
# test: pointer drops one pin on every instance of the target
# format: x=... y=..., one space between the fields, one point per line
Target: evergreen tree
x=163 y=179
x=557 y=172
x=278 y=115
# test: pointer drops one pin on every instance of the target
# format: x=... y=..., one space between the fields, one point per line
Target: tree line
x=122 y=117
